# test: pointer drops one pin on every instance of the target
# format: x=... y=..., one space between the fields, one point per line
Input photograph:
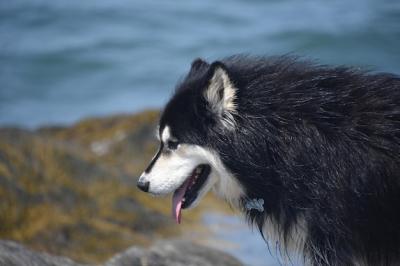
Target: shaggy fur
x=320 y=146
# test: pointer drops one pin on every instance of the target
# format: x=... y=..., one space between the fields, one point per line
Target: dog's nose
x=143 y=185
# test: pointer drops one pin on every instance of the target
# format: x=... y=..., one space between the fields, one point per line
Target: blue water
x=232 y=235
x=61 y=61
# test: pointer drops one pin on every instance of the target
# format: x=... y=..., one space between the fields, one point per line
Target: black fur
x=318 y=144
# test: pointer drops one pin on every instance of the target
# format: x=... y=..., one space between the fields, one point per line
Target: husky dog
x=310 y=154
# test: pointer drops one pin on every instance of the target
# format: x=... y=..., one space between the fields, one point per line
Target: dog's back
x=330 y=156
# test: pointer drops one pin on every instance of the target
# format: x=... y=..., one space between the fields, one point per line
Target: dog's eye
x=172 y=145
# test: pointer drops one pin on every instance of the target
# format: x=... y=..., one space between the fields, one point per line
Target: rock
x=60 y=196
x=71 y=191
x=163 y=253
x=13 y=254
x=173 y=253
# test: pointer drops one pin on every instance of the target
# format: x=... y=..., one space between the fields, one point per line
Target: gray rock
x=13 y=254
x=163 y=253
x=173 y=252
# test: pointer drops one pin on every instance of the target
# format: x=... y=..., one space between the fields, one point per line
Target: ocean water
x=231 y=234
x=61 y=61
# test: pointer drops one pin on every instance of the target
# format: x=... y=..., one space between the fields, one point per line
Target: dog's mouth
x=188 y=192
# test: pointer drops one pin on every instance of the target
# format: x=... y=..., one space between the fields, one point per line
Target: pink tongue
x=177 y=202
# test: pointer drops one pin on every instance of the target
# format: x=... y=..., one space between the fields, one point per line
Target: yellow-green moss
x=58 y=194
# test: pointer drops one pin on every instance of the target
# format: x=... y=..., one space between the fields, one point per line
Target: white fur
x=166 y=134
x=293 y=247
x=172 y=169
x=225 y=108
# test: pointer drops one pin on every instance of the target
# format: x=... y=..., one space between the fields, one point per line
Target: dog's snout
x=143 y=185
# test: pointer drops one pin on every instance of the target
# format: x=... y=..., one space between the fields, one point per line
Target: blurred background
x=68 y=187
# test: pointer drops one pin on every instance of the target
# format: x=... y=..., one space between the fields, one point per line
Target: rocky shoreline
x=71 y=191
x=162 y=253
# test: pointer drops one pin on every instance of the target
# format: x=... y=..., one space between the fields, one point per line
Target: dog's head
x=187 y=164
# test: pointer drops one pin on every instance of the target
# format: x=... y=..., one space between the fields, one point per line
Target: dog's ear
x=198 y=64
x=221 y=94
